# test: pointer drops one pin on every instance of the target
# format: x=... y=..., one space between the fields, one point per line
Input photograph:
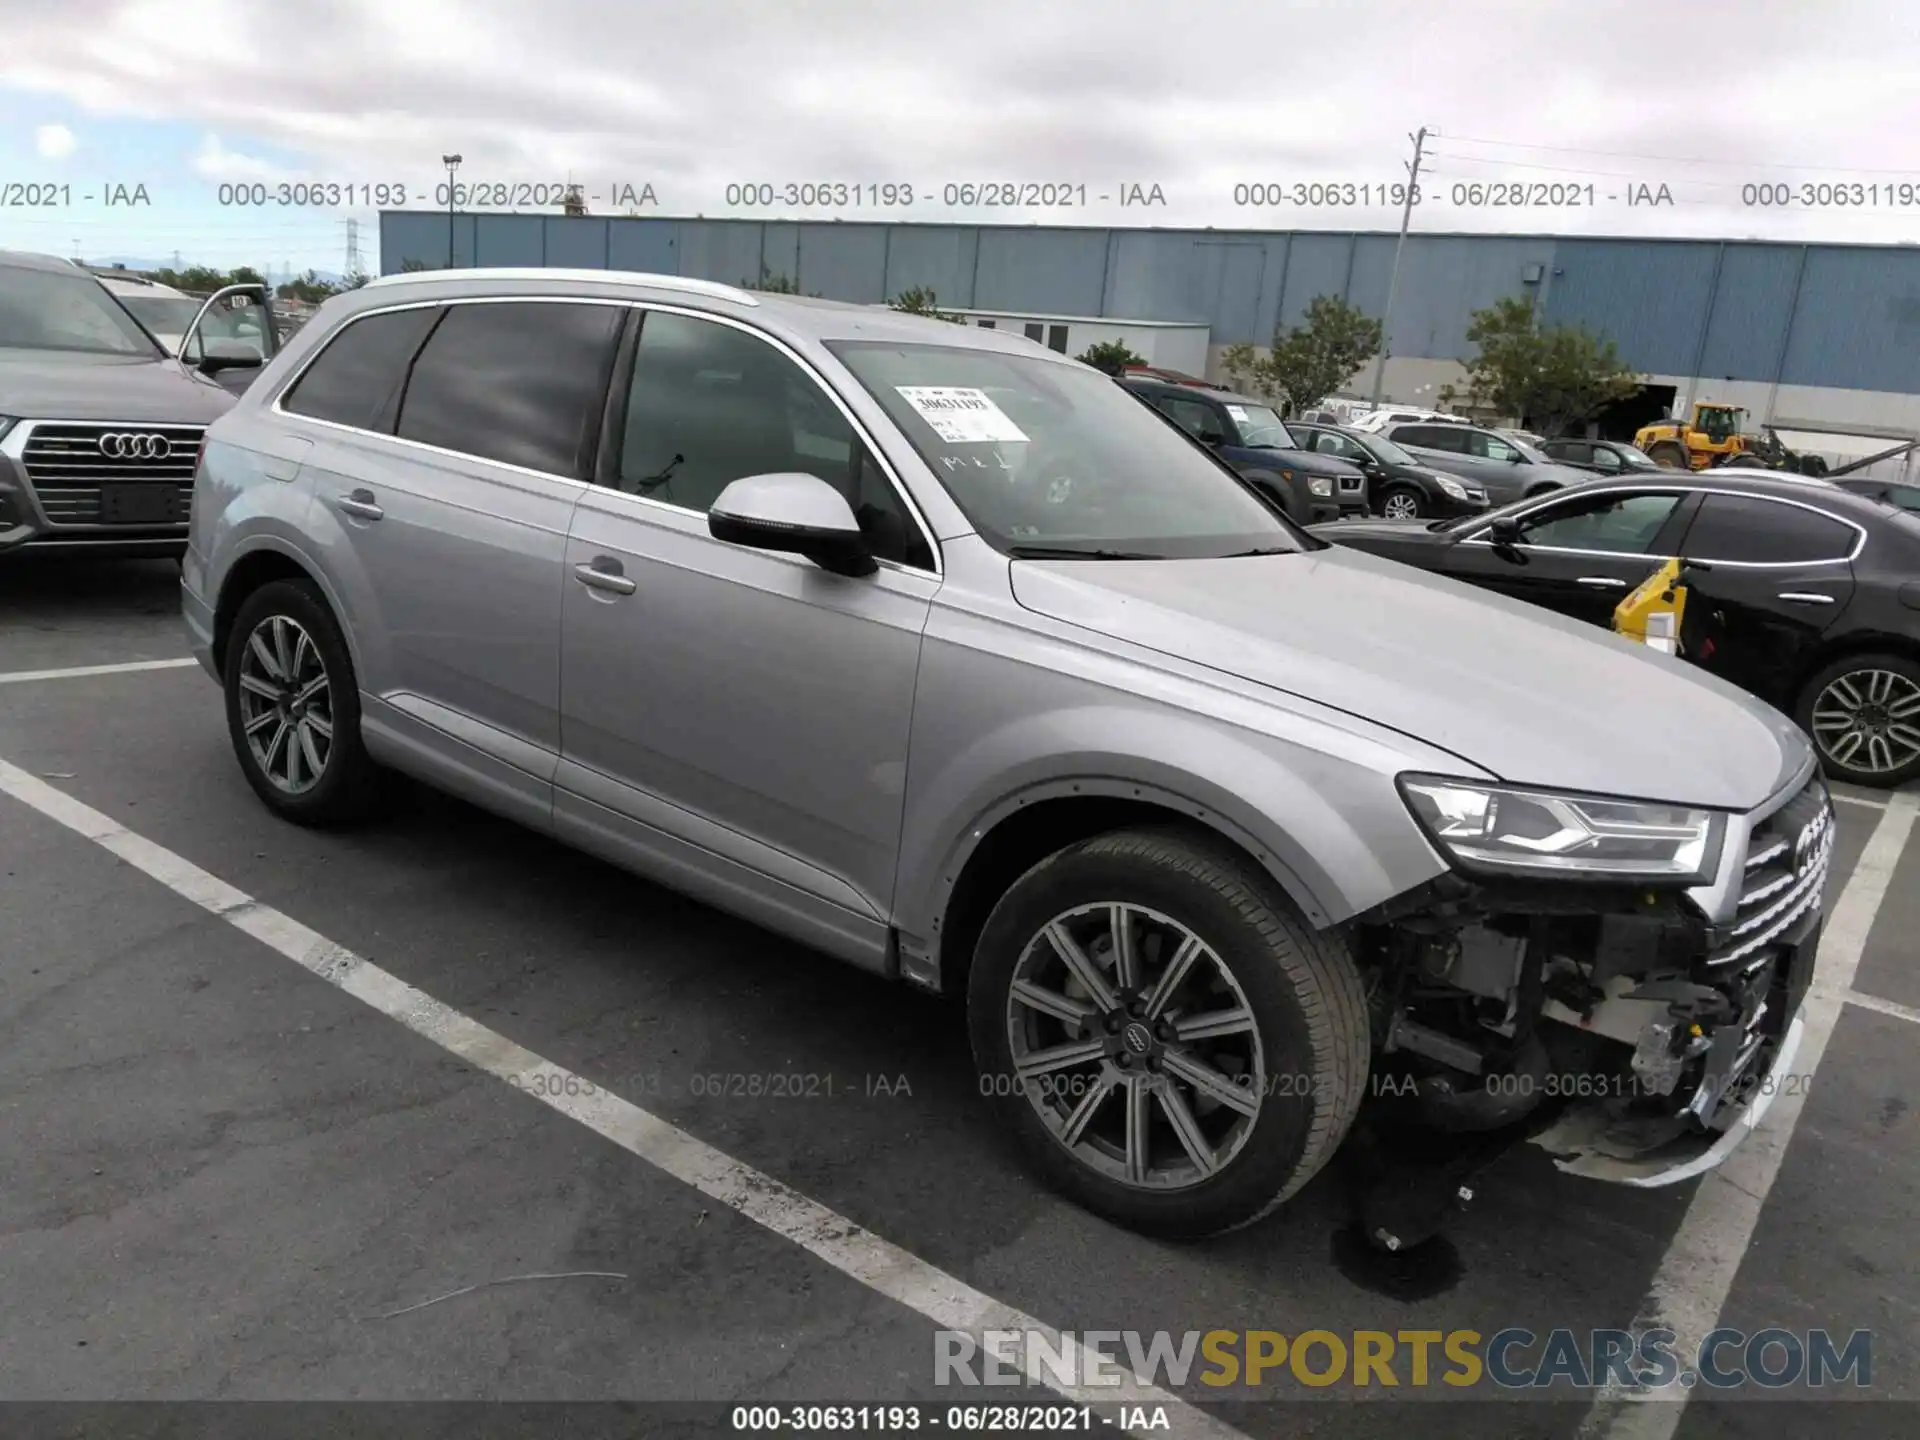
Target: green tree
x=1548 y=376
x=308 y=288
x=1310 y=361
x=918 y=301
x=1112 y=356
x=247 y=275
x=773 y=282
x=413 y=267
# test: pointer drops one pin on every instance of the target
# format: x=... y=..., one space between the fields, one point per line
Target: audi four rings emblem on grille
x=130 y=446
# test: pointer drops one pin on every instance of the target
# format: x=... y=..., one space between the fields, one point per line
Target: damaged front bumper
x=1638 y=1038
x=1579 y=1138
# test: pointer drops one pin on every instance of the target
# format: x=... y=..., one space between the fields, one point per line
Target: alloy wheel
x=1136 y=1045
x=286 y=705
x=1400 y=506
x=1869 y=720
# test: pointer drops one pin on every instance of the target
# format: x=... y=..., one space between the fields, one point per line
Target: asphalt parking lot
x=225 y=1173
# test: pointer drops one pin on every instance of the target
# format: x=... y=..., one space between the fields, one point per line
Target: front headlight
x=1501 y=830
x=1451 y=486
x=1320 y=485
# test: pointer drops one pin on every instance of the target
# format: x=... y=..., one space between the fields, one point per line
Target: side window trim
x=619 y=397
x=1859 y=534
x=1686 y=498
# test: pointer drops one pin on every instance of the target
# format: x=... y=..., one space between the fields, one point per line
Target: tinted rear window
x=517 y=382
x=361 y=367
x=1758 y=531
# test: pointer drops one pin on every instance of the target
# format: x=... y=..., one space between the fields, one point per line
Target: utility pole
x=1393 y=280
x=452 y=162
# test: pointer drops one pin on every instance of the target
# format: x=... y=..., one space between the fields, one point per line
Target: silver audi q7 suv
x=940 y=653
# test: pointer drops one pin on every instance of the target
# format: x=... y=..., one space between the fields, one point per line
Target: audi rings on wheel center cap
x=1138 y=1039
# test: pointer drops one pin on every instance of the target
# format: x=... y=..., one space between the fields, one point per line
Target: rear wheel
x=1402 y=502
x=1863 y=713
x=1169 y=1042
x=1669 y=456
x=293 y=707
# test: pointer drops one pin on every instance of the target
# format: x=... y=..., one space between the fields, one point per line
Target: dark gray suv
x=100 y=428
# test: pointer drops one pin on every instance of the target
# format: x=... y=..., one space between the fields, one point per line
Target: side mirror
x=796 y=514
x=1505 y=535
x=228 y=355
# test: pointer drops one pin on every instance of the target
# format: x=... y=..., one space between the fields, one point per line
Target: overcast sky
x=1705 y=98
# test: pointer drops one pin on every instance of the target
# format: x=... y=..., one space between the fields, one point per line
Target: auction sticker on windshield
x=1238 y=412
x=960 y=415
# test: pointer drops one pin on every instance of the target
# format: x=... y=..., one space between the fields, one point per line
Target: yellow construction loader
x=1717 y=435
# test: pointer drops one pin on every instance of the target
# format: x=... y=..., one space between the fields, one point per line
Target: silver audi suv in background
x=943 y=655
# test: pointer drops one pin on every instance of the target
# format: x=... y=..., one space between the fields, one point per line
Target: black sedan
x=1603 y=457
x=1401 y=486
x=1894 y=493
x=1800 y=592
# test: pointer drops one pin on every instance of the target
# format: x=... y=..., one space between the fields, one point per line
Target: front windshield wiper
x=1064 y=552
x=1268 y=550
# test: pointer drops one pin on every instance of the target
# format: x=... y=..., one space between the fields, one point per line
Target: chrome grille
x=66 y=466
x=1785 y=878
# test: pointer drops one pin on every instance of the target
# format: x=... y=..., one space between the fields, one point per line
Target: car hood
x=59 y=385
x=1532 y=697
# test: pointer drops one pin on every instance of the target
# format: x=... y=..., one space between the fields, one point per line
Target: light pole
x=452 y=162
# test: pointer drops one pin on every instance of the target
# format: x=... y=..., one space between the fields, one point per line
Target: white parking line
x=1859 y=800
x=74 y=672
x=1703 y=1258
x=1884 y=1007
x=876 y=1263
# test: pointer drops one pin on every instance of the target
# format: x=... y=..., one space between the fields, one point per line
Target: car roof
x=1225 y=397
x=1740 y=482
x=28 y=260
x=803 y=316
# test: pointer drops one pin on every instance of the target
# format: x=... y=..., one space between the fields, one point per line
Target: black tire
x=350 y=783
x=1411 y=495
x=1301 y=986
x=1825 y=744
x=1669 y=456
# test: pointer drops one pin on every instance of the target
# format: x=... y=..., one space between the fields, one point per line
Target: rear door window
x=361 y=368
x=1752 y=530
x=521 y=382
x=1434 y=437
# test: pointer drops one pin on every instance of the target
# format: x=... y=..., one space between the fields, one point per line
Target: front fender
x=1322 y=815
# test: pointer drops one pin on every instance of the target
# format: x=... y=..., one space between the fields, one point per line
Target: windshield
x=1720 y=424
x=1261 y=427
x=49 y=310
x=1043 y=456
x=167 y=316
x=1384 y=449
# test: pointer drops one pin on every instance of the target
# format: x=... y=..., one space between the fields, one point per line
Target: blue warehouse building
x=1815 y=337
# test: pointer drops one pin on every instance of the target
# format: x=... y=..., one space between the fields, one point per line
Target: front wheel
x=1863 y=713
x=1170 y=1043
x=1402 y=502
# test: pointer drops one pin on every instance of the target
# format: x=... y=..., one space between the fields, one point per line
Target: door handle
x=360 y=503
x=1602 y=582
x=604 y=574
x=1805 y=597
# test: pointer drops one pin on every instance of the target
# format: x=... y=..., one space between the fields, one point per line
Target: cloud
x=214 y=162
x=55 y=142
x=695 y=98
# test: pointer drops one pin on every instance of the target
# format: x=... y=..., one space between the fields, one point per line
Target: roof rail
x=540 y=272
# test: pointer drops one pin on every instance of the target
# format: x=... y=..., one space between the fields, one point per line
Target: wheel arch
x=1868 y=642
x=1024 y=828
x=267 y=560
